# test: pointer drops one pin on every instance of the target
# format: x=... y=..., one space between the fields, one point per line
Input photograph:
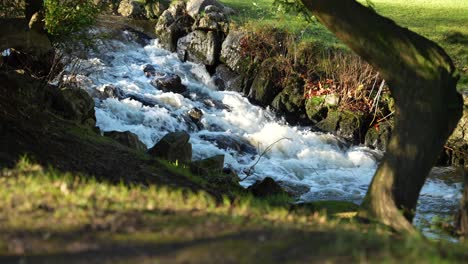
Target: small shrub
x=64 y=17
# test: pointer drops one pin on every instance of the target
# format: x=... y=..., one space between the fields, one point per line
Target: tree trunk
x=422 y=81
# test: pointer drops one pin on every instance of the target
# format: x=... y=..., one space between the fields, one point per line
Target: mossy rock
x=378 y=136
x=347 y=124
x=210 y=166
x=174 y=147
x=331 y=207
x=265 y=86
x=317 y=107
x=291 y=100
x=267 y=188
x=126 y=138
x=75 y=104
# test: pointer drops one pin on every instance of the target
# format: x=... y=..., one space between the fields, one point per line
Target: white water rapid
x=330 y=169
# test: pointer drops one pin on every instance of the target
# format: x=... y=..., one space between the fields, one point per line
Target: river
x=330 y=169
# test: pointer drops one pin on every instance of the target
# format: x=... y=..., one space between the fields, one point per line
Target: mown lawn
x=444 y=21
x=51 y=217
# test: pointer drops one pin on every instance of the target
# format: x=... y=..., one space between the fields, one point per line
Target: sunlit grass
x=444 y=21
x=45 y=213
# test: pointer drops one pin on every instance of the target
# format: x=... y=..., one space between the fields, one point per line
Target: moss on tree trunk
x=422 y=80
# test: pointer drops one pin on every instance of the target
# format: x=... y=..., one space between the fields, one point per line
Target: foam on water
x=318 y=160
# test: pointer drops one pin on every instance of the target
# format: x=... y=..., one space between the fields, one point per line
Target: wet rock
x=350 y=125
x=212 y=19
x=132 y=35
x=227 y=80
x=169 y=83
x=209 y=166
x=195 y=114
x=233 y=142
x=111 y=91
x=266 y=187
x=195 y=7
x=378 y=136
x=216 y=104
x=154 y=8
x=317 y=106
x=75 y=104
x=290 y=101
x=174 y=147
x=294 y=189
x=144 y=101
x=173 y=24
x=231 y=51
x=126 y=138
x=149 y=70
x=265 y=86
x=131 y=8
x=200 y=47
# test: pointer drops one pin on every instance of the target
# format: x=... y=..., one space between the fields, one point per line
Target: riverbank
x=50 y=217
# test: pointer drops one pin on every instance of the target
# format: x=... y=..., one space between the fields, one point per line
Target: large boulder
x=132 y=9
x=227 y=80
x=266 y=84
x=290 y=101
x=347 y=124
x=155 y=8
x=317 y=106
x=378 y=136
x=212 y=19
x=75 y=104
x=196 y=7
x=169 y=83
x=294 y=189
x=232 y=142
x=126 y=138
x=111 y=91
x=174 y=147
x=265 y=188
x=209 y=166
x=200 y=47
x=231 y=51
x=173 y=24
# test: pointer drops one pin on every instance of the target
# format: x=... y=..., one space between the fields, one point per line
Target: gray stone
x=173 y=24
x=149 y=70
x=226 y=79
x=195 y=7
x=200 y=47
x=174 y=147
x=169 y=83
x=232 y=142
x=131 y=8
x=195 y=114
x=126 y=138
x=111 y=91
x=231 y=51
x=212 y=20
x=75 y=104
x=154 y=8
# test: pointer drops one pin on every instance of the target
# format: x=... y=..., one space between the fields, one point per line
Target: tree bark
x=422 y=80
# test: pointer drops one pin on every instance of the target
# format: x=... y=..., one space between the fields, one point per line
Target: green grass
x=444 y=21
x=51 y=217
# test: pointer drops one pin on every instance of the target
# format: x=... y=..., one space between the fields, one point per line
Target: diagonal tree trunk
x=422 y=81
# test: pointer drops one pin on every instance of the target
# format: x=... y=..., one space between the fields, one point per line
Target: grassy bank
x=50 y=217
x=442 y=21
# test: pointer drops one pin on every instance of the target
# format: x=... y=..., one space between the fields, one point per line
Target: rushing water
x=319 y=161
